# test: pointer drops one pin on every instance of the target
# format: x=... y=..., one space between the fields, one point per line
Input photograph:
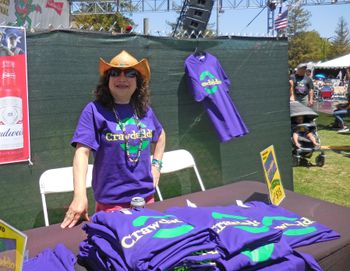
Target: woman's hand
x=79 y=205
x=77 y=209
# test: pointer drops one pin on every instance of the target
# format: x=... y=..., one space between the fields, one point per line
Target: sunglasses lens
x=127 y=73
x=115 y=73
x=130 y=73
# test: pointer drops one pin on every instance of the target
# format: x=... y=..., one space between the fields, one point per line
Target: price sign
x=12 y=247
x=272 y=175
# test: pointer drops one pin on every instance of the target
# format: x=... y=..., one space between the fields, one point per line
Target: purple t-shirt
x=297 y=230
x=115 y=179
x=143 y=239
x=263 y=255
x=233 y=229
x=209 y=84
x=58 y=259
x=247 y=236
x=292 y=262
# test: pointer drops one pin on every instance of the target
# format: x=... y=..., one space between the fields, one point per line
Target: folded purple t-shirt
x=59 y=259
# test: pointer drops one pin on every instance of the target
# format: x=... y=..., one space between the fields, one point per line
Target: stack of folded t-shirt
x=259 y=237
x=255 y=237
x=143 y=239
x=297 y=230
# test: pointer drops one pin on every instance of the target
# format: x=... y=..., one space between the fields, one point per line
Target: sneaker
x=344 y=130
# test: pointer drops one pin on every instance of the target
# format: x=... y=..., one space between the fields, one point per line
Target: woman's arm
x=79 y=205
x=159 y=148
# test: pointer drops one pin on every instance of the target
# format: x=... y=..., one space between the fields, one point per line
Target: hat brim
x=142 y=67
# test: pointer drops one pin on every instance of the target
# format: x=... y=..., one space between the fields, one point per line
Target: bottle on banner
x=11 y=114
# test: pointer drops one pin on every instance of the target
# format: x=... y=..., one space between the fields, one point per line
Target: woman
x=119 y=128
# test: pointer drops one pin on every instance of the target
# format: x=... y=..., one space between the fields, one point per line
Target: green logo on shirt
x=260 y=254
x=291 y=227
x=209 y=82
x=132 y=133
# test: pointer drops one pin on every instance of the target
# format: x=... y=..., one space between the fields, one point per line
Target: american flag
x=281 y=21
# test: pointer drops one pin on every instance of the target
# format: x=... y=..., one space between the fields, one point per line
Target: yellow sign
x=12 y=247
x=272 y=175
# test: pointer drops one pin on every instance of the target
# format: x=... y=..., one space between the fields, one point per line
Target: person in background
x=342 y=110
x=297 y=133
x=301 y=87
x=121 y=130
x=12 y=41
x=347 y=77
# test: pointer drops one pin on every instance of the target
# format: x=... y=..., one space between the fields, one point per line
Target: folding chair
x=178 y=160
x=58 y=180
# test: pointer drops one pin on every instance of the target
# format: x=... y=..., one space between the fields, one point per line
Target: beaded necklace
x=126 y=138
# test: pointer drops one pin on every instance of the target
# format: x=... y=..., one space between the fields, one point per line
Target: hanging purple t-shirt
x=116 y=180
x=208 y=83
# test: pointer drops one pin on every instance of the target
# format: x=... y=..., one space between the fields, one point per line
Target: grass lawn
x=332 y=181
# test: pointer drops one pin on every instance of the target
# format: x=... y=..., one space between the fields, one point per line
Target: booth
x=331 y=255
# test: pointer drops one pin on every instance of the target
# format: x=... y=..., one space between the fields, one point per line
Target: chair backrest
x=58 y=180
x=178 y=160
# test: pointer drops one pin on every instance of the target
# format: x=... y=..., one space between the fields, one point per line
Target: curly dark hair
x=140 y=99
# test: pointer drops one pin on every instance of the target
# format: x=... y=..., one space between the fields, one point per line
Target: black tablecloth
x=332 y=255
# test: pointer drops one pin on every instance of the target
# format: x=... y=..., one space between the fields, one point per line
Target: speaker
x=204 y=4
x=197 y=15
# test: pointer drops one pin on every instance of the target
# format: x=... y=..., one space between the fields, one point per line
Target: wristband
x=158 y=164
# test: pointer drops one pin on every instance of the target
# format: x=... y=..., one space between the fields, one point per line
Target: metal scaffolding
x=132 y=6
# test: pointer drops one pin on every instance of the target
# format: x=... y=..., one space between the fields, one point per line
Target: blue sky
x=324 y=19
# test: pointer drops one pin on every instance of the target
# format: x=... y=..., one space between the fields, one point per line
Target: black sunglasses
x=129 y=73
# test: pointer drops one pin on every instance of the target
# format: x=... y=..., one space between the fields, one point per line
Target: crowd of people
x=302 y=89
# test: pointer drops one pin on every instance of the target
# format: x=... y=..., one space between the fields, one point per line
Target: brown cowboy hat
x=124 y=60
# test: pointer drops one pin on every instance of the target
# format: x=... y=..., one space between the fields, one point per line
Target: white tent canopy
x=337 y=63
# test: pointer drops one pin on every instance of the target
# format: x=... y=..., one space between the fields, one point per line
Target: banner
x=14 y=113
x=37 y=14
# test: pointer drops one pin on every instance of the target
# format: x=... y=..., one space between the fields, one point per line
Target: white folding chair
x=178 y=160
x=58 y=180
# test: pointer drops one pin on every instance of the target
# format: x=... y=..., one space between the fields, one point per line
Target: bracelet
x=158 y=164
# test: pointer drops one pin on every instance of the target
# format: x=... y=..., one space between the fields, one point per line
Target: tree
x=305 y=47
x=107 y=22
x=340 y=45
x=298 y=19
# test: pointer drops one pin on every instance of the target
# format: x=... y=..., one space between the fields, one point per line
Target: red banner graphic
x=14 y=113
x=57 y=6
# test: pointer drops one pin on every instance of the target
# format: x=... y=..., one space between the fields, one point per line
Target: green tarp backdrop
x=63 y=71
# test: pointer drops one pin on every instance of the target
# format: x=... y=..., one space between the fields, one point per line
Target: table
x=332 y=255
x=326 y=107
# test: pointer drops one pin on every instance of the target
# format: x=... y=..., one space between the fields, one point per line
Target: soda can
x=137 y=202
